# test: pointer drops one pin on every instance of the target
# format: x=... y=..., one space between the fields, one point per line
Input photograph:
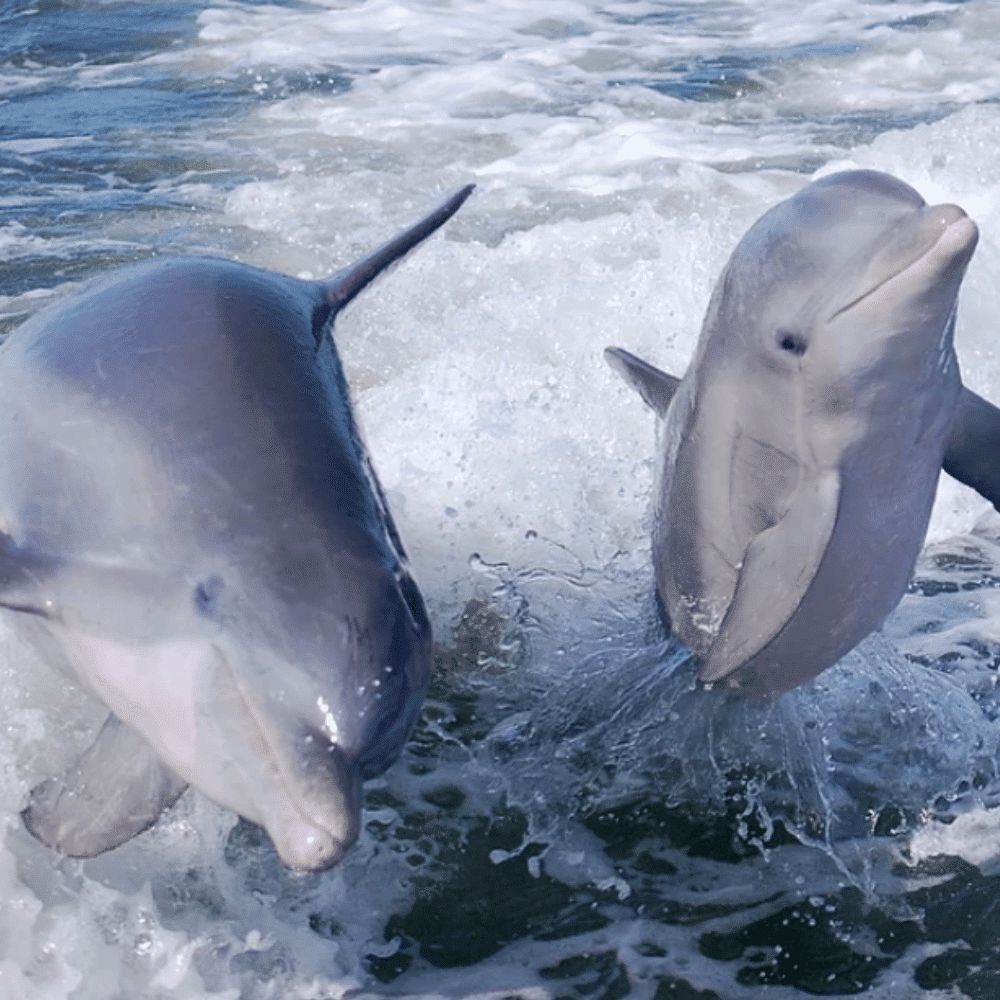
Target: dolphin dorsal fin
x=972 y=451
x=343 y=286
x=656 y=388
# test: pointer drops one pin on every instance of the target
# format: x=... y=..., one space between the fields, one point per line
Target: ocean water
x=572 y=818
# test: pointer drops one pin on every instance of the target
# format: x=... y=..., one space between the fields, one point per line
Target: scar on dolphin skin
x=194 y=531
x=864 y=402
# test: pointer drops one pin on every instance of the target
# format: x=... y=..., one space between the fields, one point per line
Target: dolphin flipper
x=117 y=789
x=780 y=562
x=972 y=451
x=656 y=388
x=21 y=569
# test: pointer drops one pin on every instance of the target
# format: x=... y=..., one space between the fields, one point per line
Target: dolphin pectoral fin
x=778 y=568
x=21 y=569
x=656 y=388
x=972 y=451
x=117 y=789
x=342 y=287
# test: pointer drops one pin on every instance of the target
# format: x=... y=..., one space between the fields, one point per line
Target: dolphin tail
x=117 y=789
x=342 y=287
x=972 y=451
x=656 y=388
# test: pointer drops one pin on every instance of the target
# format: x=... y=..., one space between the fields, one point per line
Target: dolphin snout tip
x=311 y=849
x=955 y=245
x=313 y=829
x=947 y=213
x=966 y=233
x=958 y=234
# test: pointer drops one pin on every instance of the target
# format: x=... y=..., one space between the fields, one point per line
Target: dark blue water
x=93 y=129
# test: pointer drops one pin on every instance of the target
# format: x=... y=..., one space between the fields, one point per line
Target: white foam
x=973 y=836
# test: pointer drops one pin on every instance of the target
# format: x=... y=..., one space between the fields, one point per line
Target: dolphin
x=801 y=450
x=193 y=530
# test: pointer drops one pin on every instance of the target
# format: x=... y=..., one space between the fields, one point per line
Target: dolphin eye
x=206 y=594
x=794 y=343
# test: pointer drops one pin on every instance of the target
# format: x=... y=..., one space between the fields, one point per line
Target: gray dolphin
x=192 y=528
x=802 y=448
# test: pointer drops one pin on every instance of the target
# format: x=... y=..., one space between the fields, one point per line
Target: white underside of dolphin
x=801 y=450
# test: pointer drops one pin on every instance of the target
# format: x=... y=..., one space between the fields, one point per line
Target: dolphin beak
x=314 y=835
x=944 y=240
x=280 y=773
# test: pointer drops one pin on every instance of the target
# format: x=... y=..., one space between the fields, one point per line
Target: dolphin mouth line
x=903 y=270
x=286 y=785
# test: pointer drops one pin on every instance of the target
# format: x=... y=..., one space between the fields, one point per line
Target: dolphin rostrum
x=192 y=528
x=801 y=450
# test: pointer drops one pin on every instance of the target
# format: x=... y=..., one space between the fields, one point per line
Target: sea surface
x=572 y=817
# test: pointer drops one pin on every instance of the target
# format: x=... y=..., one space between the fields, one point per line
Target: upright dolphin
x=191 y=527
x=801 y=451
